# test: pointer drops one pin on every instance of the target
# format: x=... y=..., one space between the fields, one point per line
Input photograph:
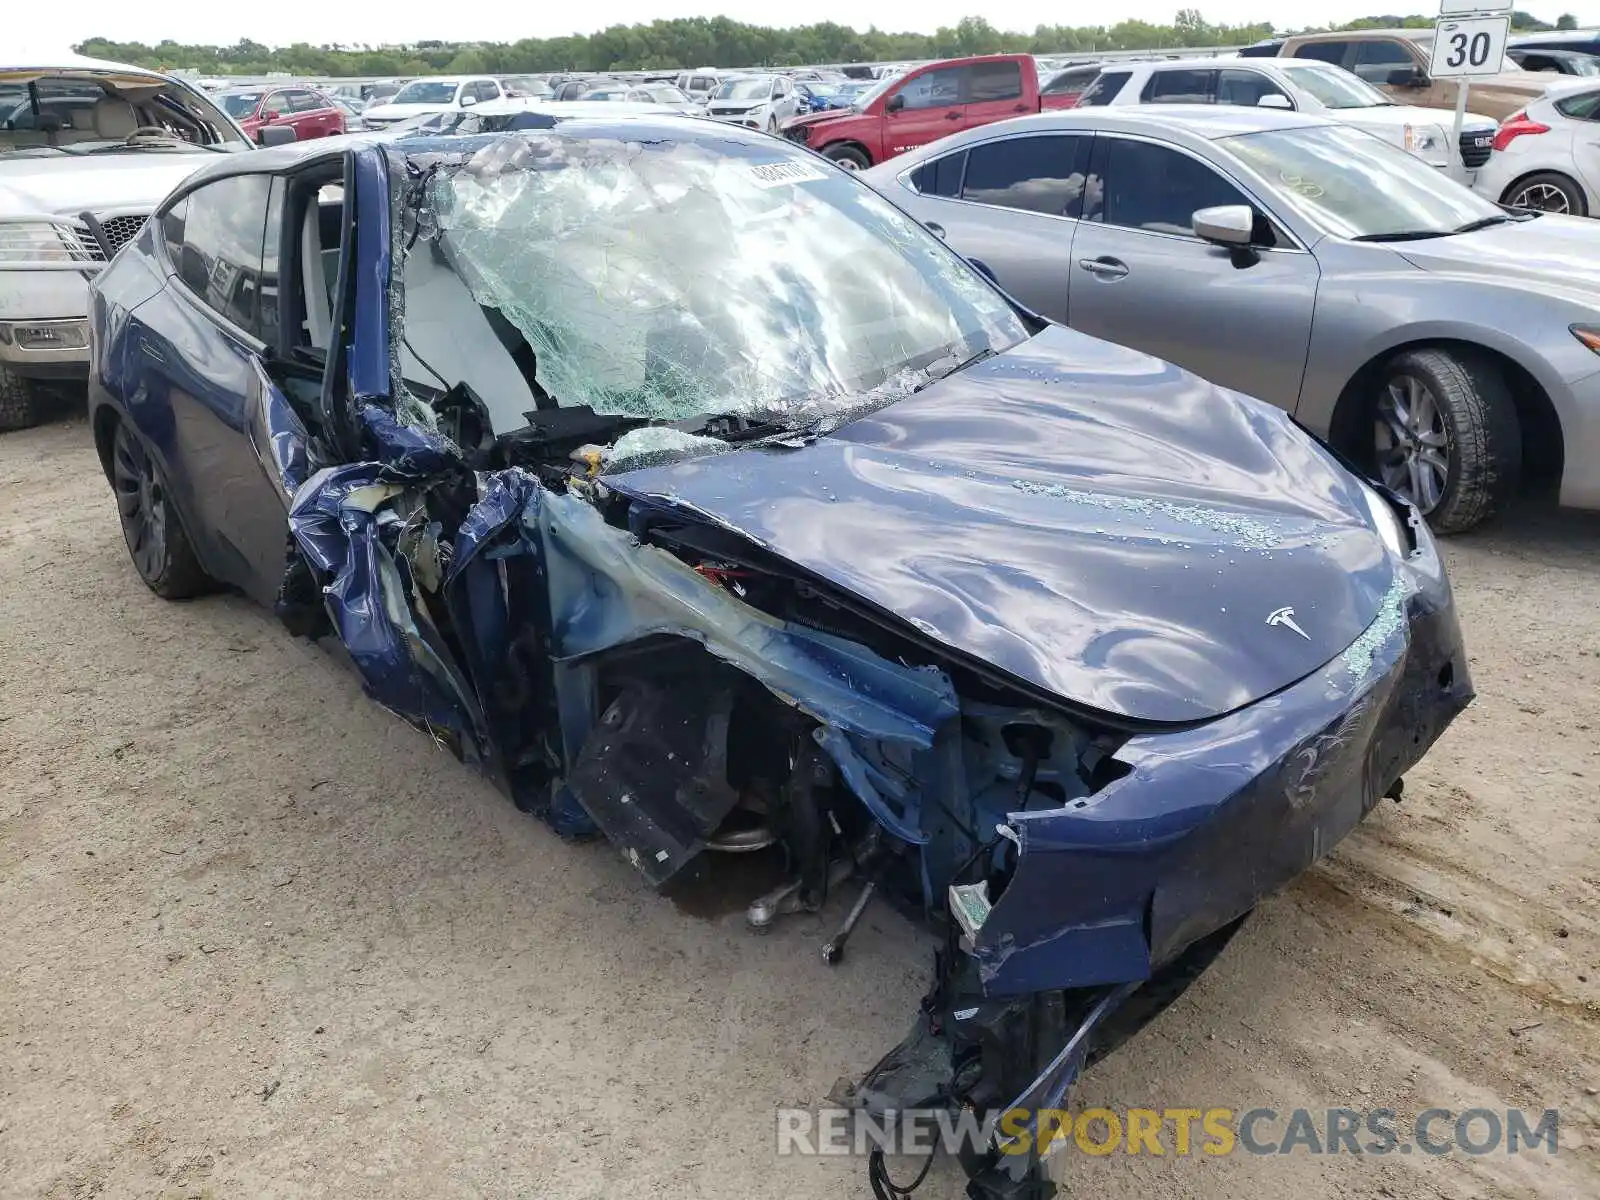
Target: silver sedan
x=1447 y=346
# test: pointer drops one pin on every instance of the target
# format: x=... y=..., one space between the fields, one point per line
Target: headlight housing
x=30 y=244
x=1428 y=143
x=1390 y=528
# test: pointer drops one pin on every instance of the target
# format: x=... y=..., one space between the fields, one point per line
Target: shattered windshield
x=668 y=279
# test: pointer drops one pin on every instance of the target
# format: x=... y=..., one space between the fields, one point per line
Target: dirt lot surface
x=262 y=939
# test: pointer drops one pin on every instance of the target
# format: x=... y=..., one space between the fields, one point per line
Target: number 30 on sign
x=1469 y=46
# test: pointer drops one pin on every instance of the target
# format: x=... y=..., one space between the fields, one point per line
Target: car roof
x=594 y=119
x=1214 y=63
x=69 y=64
x=1203 y=122
x=1343 y=35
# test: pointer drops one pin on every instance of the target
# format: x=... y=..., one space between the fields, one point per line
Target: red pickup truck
x=923 y=105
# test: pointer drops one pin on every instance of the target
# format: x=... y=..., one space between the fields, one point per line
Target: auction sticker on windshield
x=771 y=175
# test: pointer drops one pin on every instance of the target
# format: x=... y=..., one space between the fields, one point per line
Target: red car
x=307 y=111
x=903 y=112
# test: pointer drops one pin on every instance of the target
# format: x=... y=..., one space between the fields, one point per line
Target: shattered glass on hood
x=670 y=279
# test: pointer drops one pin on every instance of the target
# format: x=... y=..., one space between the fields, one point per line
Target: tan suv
x=1396 y=60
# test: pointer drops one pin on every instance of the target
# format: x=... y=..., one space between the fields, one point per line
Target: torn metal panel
x=344 y=522
x=606 y=589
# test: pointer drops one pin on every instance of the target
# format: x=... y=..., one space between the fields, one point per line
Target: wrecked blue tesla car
x=704 y=500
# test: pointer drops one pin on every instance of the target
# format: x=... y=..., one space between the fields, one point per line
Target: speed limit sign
x=1468 y=46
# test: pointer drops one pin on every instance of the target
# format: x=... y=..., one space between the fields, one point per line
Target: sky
x=32 y=30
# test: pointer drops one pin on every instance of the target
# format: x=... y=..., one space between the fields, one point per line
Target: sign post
x=1469 y=40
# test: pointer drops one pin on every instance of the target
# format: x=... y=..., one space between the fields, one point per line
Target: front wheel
x=156 y=541
x=847 y=157
x=21 y=405
x=1446 y=436
x=1547 y=191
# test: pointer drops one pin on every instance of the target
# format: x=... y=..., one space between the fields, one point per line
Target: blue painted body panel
x=1105 y=531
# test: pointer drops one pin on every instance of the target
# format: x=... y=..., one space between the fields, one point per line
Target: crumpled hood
x=1092 y=521
x=137 y=181
x=1552 y=251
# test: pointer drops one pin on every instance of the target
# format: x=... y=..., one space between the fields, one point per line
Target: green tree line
x=700 y=41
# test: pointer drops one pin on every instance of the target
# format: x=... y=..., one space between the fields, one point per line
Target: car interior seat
x=114 y=118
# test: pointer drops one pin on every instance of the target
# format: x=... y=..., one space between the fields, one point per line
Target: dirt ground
x=263 y=940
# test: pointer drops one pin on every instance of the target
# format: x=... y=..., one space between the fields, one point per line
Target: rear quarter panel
x=132 y=278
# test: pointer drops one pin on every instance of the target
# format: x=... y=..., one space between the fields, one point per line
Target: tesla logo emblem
x=1285 y=617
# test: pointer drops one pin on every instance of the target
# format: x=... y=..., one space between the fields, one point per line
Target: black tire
x=847 y=157
x=21 y=404
x=1476 y=435
x=151 y=527
x=1547 y=191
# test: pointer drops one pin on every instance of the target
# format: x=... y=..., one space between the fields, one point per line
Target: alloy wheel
x=141 y=503
x=1543 y=197
x=1412 y=442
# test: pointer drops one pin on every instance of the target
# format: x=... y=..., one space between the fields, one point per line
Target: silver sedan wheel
x=1543 y=197
x=1412 y=442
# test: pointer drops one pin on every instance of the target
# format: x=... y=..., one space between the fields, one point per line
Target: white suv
x=87 y=149
x=1305 y=85
x=432 y=95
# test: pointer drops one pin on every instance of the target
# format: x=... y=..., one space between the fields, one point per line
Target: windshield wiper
x=1487 y=222
x=986 y=352
x=1404 y=235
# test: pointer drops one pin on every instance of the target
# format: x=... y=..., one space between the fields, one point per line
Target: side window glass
x=941 y=177
x=172 y=229
x=222 y=243
x=1245 y=88
x=1068 y=82
x=1328 y=52
x=1580 y=108
x=1104 y=89
x=1178 y=87
x=1154 y=188
x=1039 y=174
x=994 y=81
x=1375 y=61
x=934 y=89
x=487 y=90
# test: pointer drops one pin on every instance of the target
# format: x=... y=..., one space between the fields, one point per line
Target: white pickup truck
x=87 y=149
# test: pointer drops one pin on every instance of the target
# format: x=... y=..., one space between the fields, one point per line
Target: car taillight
x=1515 y=126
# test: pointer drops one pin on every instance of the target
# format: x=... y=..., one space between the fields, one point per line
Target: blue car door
x=200 y=348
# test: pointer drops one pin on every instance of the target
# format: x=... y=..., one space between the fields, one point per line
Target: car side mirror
x=271 y=115
x=1229 y=225
x=276 y=135
x=1407 y=77
x=1275 y=100
x=896 y=102
x=468 y=100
